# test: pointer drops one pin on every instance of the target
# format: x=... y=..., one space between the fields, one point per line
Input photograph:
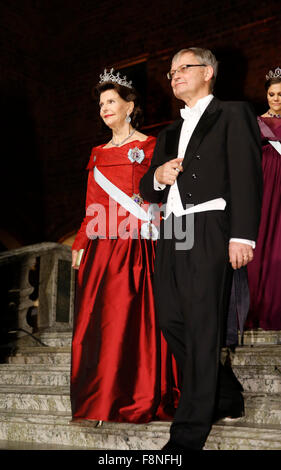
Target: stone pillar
x=54 y=305
x=19 y=294
x=56 y=290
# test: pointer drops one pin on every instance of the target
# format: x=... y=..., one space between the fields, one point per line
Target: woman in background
x=264 y=272
x=121 y=369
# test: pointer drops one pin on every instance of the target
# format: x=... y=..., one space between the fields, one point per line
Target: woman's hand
x=74 y=258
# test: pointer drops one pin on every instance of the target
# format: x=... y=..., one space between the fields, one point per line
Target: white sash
x=148 y=230
x=276 y=145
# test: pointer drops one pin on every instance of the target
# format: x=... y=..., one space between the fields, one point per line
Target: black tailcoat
x=222 y=159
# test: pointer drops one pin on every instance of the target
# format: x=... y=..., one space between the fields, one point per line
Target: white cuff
x=246 y=242
x=158 y=186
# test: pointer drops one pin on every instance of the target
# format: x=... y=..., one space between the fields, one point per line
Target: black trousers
x=192 y=289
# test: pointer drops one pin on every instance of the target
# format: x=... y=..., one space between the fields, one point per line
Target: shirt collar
x=199 y=107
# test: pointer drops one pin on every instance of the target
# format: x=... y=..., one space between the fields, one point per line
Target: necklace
x=278 y=116
x=121 y=143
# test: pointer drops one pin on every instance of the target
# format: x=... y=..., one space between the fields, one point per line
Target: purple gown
x=264 y=272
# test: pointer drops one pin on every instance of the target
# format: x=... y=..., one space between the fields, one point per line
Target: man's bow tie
x=189 y=113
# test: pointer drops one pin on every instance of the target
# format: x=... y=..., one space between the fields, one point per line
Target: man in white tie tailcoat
x=206 y=171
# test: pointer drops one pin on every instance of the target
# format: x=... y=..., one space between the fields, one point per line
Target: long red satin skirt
x=121 y=368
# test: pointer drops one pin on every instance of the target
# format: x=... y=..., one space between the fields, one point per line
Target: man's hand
x=240 y=254
x=168 y=173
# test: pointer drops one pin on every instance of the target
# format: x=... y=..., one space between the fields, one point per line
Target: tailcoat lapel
x=205 y=123
x=172 y=140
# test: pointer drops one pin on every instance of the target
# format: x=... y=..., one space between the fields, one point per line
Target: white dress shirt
x=174 y=205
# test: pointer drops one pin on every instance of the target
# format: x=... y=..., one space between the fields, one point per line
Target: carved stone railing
x=37 y=289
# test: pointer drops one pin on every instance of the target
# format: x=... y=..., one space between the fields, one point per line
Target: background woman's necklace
x=278 y=116
x=121 y=143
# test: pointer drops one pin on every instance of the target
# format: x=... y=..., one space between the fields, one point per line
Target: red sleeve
x=81 y=238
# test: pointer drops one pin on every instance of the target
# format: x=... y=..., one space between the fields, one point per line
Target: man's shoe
x=233 y=412
x=173 y=447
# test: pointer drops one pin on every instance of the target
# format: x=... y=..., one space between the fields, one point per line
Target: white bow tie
x=189 y=113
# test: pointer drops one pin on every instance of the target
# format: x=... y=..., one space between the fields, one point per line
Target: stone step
x=250 y=337
x=27 y=446
x=253 y=378
x=34 y=374
x=124 y=436
x=239 y=437
x=56 y=339
x=114 y=436
x=29 y=397
x=259 y=378
x=41 y=355
x=260 y=408
x=243 y=355
x=254 y=356
x=261 y=337
x=36 y=416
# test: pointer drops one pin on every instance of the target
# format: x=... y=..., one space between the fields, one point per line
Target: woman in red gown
x=121 y=368
x=264 y=272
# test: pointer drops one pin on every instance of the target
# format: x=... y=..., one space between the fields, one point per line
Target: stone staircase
x=35 y=404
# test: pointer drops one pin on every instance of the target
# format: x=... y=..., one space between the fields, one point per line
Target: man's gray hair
x=204 y=56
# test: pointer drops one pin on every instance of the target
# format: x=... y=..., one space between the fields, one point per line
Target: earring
x=128 y=119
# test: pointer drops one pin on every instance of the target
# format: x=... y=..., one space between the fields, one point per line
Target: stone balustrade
x=37 y=289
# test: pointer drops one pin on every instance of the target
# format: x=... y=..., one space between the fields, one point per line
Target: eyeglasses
x=183 y=69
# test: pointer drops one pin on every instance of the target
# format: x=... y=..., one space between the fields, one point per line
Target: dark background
x=51 y=55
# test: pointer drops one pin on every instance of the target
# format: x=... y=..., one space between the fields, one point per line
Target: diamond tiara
x=275 y=74
x=110 y=77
